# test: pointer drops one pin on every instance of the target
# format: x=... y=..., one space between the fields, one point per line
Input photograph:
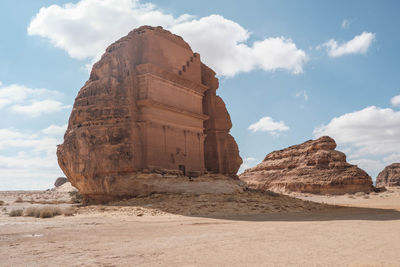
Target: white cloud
x=30 y=101
x=302 y=94
x=372 y=135
x=13 y=139
x=392 y=158
x=247 y=163
x=221 y=43
x=267 y=124
x=346 y=24
x=37 y=108
x=371 y=166
x=358 y=45
x=86 y=28
x=16 y=93
x=55 y=129
x=28 y=160
x=395 y=101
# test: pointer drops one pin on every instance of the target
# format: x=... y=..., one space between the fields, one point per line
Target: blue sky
x=289 y=71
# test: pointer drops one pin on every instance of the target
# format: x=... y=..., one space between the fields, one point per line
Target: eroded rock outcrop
x=148 y=111
x=60 y=181
x=389 y=176
x=313 y=167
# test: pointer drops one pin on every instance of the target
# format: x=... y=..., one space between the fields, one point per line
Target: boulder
x=312 y=167
x=149 y=106
x=60 y=181
x=389 y=176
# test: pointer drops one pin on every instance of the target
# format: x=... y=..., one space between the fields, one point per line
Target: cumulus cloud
x=55 y=130
x=267 y=124
x=358 y=45
x=16 y=93
x=372 y=136
x=221 y=43
x=86 y=28
x=30 y=101
x=395 y=101
x=37 y=108
x=371 y=166
x=28 y=159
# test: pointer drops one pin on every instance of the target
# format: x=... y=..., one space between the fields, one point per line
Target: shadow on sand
x=251 y=206
x=336 y=213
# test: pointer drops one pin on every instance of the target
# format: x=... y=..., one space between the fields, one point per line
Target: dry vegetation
x=76 y=197
x=48 y=212
x=16 y=212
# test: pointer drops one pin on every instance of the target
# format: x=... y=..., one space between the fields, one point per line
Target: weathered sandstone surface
x=390 y=176
x=312 y=167
x=149 y=106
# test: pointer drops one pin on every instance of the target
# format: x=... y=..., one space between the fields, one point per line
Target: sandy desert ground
x=248 y=229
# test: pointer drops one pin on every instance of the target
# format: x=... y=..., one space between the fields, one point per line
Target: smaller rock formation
x=312 y=167
x=390 y=176
x=60 y=181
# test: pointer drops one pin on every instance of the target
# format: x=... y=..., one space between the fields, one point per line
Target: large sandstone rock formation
x=390 y=176
x=149 y=110
x=313 y=167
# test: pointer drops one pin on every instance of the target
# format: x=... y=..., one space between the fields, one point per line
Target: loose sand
x=207 y=230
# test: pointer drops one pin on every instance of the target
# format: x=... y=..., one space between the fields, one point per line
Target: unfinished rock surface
x=149 y=106
x=312 y=167
x=389 y=176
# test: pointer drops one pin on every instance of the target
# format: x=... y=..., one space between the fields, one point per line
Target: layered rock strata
x=389 y=176
x=149 y=106
x=312 y=167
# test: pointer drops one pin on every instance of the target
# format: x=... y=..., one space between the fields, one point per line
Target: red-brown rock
x=389 y=176
x=149 y=106
x=312 y=167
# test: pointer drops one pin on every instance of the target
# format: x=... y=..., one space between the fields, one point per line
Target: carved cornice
x=152 y=103
x=171 y=77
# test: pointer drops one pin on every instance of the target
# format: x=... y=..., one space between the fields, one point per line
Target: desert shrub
x=48 y=212
x=31 y=212
x=43 y=212
x=69 y=211
x=1 y=202
x=19 y=200
x=16 y=213
x=76 y=197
